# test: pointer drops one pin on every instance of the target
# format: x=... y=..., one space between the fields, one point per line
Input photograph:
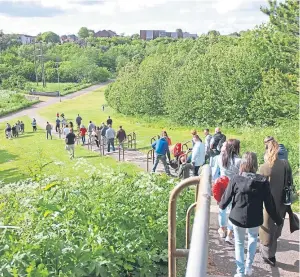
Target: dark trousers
x=111 y=142
x=57 y=127
x=34 y=128
x=83 y=139
x=196 y=170
x=49 y=134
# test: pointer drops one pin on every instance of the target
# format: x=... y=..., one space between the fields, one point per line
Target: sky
x=129 y=16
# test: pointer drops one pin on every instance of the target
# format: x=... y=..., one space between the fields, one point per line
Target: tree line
x=247 y=79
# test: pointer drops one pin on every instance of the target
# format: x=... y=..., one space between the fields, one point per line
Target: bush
x=111 y=224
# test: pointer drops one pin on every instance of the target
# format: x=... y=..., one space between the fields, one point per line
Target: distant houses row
x=144 y=34
x=153 y=34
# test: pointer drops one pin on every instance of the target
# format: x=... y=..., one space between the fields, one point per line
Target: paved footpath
x=222 y=262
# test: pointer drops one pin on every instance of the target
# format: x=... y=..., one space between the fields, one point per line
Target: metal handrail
x=150 y=155
x=198 y=256
x=203 y=185
x=129 y=140
x=123 y=151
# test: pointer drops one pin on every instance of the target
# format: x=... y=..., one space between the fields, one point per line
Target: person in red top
x=83 y=131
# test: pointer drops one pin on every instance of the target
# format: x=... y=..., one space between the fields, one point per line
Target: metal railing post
x=198 y=255
x=172 y=251
x=134 y=140
x=150 y=154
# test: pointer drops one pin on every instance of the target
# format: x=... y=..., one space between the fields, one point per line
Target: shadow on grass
x=11 y=175
x=5 y=156
x=88 y=157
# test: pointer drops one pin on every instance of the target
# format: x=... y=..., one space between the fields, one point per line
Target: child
x=185 y=168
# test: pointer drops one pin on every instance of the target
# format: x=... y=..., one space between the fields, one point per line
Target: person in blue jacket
x=161 y=148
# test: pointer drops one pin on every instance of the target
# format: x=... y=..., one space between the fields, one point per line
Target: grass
x=20 y=156
x=64 y=88
x=89 y=107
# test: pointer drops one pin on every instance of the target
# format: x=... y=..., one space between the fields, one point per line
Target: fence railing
x=198 y=252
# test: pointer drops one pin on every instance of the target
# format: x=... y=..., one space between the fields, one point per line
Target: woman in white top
x=227 y=164
x=198 y=154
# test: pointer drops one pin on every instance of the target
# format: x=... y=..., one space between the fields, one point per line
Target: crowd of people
x=13 y=131
x=252 y=196
x=92 y=133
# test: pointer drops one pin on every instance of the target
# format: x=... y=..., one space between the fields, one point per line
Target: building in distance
x=153 y=34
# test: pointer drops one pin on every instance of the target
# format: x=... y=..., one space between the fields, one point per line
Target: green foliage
x=229 y=80
x=11 y=101
x=49 y=37
x=83 y=32
x=96 y=227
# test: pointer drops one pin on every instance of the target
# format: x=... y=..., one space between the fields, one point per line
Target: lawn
x=64 y=88
x=29 y=152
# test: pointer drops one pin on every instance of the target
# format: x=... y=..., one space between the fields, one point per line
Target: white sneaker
x=248 y=271
x=229 y=240
x=222 y=233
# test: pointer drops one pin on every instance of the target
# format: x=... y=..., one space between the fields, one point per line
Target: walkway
x=221 y=254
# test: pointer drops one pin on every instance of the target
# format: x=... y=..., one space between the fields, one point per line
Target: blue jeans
x=223 y=218
x=83 y=139
x=239 y=239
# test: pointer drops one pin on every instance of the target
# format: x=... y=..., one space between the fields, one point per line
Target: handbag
x=289 y=194
x=294 y=220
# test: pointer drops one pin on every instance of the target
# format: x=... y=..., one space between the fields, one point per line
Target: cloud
x=27 y=9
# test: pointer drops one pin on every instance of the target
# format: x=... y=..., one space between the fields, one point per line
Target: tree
x=213 y=33
x=83 y=32
x=49 y=37
x=180 y=33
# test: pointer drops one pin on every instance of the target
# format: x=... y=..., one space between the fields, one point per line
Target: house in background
x=26 y=39
x=68 y=38
x=105 y=34
x=153 y=34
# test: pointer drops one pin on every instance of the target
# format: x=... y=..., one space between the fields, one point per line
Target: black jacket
x=248 y=192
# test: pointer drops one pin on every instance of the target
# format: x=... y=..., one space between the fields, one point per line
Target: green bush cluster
x=218 y=79
x=111 y=224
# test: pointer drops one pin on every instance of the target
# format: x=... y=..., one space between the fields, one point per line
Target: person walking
x=33 y=125
x=83 y=131
x=66 y=130
x=78 y=121
x=275 y=170
x=8 y=131
x=208 y=138
x=63 y=122
x=102 y=108
x=216 y=142
x=167 y=137
x=121 y=136
x=198 y=154
x=48 y=130
x=282 y=151
x=110 y=136
x=161 y=149
x=109 y=121
x=185 y=168
x=226 y=164
x=96 y=137
x=22 y=127
x=248 y=192
x=91 y=127
x=70 y=143
x=57 y=124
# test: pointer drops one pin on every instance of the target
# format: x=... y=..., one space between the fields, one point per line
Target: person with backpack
x=249 y=193
x=226 y=164
x=216 y=142
x=161 y=149
x=277 y=171
x=282 y=151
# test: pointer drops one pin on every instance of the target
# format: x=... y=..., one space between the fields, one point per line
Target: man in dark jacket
x=216 y=142
x=109 y=121
x=121 y=136
x=161 y=148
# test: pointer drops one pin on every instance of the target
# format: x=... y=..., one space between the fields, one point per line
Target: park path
x=33 y=110
x=221 y=254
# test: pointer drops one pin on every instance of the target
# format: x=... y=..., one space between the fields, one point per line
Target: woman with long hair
x=227 y=164
x=248 y=192
x=274 y=169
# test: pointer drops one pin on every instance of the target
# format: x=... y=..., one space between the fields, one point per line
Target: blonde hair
x=249 y=163
x=194 y=132
x=271 y=154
